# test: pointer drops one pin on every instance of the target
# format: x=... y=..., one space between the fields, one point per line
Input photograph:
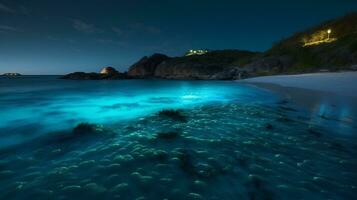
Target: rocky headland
x=107 y=73
x=330 y=46
x=11 y=74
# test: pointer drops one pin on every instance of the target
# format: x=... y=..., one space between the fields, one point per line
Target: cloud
x=4 y=8
x=84 y=27
x=19 y=10
x=6 y=29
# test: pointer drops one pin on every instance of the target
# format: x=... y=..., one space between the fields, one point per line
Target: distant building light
x=196 y=52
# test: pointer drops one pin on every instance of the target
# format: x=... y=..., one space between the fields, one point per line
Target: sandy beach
x=339 y=83
x=324 y=95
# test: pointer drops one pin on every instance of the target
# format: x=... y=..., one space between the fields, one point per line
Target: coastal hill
x=212 y=65
x=107 y=73
x=330 y=46
x=146 y=66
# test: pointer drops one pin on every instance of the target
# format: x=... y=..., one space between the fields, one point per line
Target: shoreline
x=336 y=83
x=318 y=92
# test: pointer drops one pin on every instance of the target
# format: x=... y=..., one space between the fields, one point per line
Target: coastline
x=321 y=93
x=337 y=83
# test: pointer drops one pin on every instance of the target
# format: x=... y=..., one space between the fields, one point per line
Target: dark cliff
x=213 y=65
x=146 y=66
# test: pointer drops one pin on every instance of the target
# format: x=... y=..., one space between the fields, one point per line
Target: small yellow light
x=329 y=31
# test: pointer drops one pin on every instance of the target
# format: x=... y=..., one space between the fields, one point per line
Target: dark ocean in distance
x=219 y=140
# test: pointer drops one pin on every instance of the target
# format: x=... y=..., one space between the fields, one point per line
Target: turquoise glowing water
x=237 y=142
x=35 y=105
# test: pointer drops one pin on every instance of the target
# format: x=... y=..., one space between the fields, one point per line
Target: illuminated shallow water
x=35 y=105
x=239 y=142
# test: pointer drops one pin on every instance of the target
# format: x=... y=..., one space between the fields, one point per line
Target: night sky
x=62 y=36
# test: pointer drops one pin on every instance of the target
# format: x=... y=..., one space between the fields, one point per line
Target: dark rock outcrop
x=86 y=128
x=179 y=69
x=11 y=74
x=268 y=65
x=215 y=65
x=167 y=135
x=175 y=115
x=82 y=76
x=146 y=66
x=107 y=73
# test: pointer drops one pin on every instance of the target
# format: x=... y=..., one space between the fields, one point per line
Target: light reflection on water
x=337 y=114
x=35 y=105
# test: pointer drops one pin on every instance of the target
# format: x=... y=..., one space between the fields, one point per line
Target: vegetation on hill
x=338 y=54
x=212 y=65
x=221 y=58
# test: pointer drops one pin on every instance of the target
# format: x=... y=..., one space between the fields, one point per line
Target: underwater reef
x=207 y=152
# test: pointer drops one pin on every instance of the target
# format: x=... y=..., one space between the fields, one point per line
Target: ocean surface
x=63 y=139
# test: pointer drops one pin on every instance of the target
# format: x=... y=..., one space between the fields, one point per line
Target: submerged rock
x=284 y=119
x=175 y=115
x=269 y=126
x=314 y=132
x=287 y=108
x=257 y=188
x=167 y=135
x=86 y=128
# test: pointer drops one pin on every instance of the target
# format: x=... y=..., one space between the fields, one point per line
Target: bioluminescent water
x=161 y=139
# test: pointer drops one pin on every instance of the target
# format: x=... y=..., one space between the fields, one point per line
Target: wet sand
x=310 y=90
x=339 y=83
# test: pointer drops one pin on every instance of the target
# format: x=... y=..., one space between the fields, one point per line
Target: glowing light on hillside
x=328 y=33
x=318 y=38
